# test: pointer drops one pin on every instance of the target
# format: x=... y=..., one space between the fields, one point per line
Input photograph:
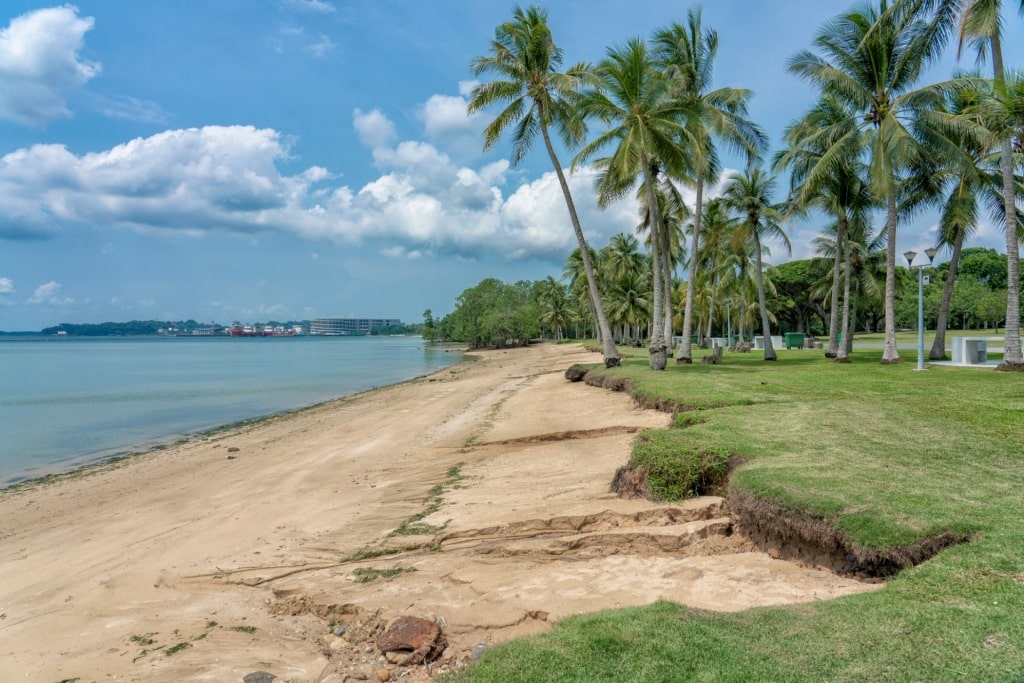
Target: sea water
x=68 y=401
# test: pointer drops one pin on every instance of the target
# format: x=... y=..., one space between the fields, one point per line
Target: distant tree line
x=130 y=328
x=498 y=314
x=396 y=330
x=145 y=327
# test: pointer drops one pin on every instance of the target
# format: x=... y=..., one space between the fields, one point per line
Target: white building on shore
x=348 y=326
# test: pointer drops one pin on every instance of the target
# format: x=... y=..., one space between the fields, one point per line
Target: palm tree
x=537 y=97
x=1001 y=112
x=621 y=256
x=687 y=54
x=979 y=23
x=644 y=126
x=629 y=303
x=576 y=274
x=674 y=214
x=555 y=306
x=750 y=195
x=842 y=194
x=714 y=258
x=972 y=176
x=871 y=59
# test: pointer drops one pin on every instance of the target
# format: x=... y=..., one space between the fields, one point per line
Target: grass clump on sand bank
x=414 y=526
x=887 y=456
x=368 y=574
x=665 y=466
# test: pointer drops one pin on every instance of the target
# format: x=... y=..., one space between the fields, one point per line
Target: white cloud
x=194 y=181
x=40 y=64
x=47 y=294
x=128 y=108
x=313 y=6
x=401 y=253
x=374 y=128
x=6 y=285
x=321 y=46
x=445 y=115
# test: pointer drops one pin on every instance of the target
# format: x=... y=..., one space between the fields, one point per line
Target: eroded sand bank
x=227 y=552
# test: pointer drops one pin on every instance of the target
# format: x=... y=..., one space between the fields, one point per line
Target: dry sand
x=223 y=556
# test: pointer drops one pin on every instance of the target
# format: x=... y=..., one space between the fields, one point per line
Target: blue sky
x=288 y=159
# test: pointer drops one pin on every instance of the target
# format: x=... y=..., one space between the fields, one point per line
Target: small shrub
x=177 y=648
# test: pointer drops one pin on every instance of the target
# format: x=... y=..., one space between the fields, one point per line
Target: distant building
x=346 y=326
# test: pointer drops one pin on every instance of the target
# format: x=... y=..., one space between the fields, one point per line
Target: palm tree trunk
x=843 y=346
x=1012 y=358
x=611 y=355
x=938 y=350
x=711 y=312
x=656 y=348
x=766 y=330
x=685 y=354
x=666 y=274
x=890 y=355
x=848 y=341
x=833 y=318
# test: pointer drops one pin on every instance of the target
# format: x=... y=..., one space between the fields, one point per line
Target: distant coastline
x=193 y=328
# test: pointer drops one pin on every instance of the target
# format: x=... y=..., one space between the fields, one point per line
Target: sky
x=258 y=160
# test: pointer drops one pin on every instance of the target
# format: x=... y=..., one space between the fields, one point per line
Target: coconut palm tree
x=1001 y=113
x=555 y=306
x=714 y=258
x=979 y=24
x=674 y=214
x=974 y=179
x=629 y=302
x=871 y=59
x=841 y=194
x=644 y=126
x=575 y=272
x=537 y=97
x=749 y=194
x=687 y=56
x=621 y=257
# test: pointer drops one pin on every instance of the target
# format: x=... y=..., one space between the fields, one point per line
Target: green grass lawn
x=889 y=456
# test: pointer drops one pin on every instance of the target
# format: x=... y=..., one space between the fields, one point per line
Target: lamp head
x=909 y=255
x=930 y=253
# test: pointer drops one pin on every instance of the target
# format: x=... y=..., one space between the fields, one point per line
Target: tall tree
x=843 y=193
x=979 y=24
x=750 y=195
x=974 y=180
x=872 y=59
x=537 y=96
x=643 y=126
x=715 y=259
x=687 y=55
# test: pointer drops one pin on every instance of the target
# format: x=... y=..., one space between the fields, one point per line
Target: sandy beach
x=234 y=553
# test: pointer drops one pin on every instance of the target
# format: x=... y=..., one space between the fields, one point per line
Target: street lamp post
x=909 y=255
x=728 y=324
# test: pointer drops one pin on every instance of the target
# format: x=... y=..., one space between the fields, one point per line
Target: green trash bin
x=794 y=340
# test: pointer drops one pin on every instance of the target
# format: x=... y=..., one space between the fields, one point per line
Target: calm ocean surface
x=69 y=401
